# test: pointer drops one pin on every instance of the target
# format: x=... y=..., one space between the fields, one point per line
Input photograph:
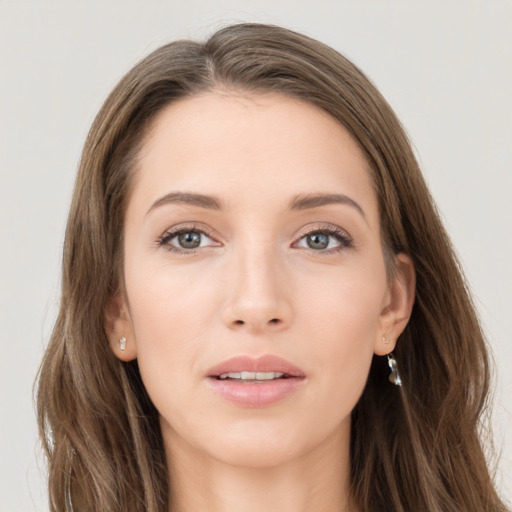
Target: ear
x=118 y=325
x=397 y=305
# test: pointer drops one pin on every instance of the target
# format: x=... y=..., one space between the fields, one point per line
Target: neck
x=315 y=480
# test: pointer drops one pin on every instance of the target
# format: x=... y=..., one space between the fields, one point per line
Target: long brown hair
x=412 y=448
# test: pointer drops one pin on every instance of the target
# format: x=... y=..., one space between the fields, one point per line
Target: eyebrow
x=306 y=201
x=300 y=202
x=201 y=200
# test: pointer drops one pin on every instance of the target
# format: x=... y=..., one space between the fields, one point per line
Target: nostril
x=272 y=321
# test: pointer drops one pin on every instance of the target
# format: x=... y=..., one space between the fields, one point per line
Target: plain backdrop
x=445 y=66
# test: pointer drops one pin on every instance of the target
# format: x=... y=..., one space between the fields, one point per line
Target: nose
x=258 y=294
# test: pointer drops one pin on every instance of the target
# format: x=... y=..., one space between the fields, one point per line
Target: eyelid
x=344 y=238
x=170 y=233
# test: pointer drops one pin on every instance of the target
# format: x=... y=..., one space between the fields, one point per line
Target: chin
x=265 y=444
x=255 y=453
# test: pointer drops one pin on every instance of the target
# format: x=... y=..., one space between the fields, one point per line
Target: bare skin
x=273 y=271
x=301 y=484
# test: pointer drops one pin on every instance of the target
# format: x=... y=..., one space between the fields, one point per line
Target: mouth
x=252 y=376
x=263 y=368
x=261 y=382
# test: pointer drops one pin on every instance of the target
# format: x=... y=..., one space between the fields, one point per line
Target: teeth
x=252 y=375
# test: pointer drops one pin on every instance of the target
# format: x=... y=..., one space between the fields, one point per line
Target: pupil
x=190 y=240
x=318 y=241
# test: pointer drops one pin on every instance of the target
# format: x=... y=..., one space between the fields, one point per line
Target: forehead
x=270 y=145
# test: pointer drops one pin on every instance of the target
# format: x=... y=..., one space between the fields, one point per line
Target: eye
x=188 y=240
x=185 y=240
x=326 y=239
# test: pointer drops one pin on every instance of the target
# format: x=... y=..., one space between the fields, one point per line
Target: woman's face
x=253 y=230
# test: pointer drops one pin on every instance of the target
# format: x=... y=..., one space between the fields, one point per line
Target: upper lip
x=266 y=363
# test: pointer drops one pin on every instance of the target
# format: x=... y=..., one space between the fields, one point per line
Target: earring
x=122 y=343
x=394 y=377
x=385 y=340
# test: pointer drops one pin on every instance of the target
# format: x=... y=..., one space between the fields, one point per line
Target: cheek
x=345 y=306
x=340 y=326
x=171 y=315
x=169 y=301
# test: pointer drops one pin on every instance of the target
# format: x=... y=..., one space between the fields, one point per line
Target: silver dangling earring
x=394 y=377
x=122 y=343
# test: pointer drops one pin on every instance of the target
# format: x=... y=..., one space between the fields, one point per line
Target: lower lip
x=255 y=394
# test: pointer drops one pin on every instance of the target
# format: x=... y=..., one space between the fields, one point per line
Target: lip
x=266 y=363
x=255 y=394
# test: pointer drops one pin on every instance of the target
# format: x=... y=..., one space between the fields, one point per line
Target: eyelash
x=165 y=239
x=341 y=236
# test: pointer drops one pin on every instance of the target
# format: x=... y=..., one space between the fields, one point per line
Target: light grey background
x=445 y=66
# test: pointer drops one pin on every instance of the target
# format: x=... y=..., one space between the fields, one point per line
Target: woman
x=260 y=306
